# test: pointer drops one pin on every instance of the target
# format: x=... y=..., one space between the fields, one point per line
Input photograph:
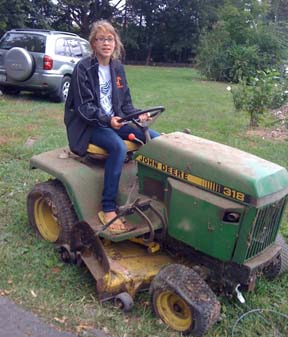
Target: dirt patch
x=31 y=140
x=3 y=140
x=280 y=132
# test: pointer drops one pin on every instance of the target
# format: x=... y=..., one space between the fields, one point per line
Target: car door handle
x=72 y=61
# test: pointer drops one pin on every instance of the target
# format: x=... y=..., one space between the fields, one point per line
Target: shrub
x=241 y=43
x=265 y=91
x=212 y=59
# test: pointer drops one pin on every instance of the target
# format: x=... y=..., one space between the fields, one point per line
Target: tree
x=243 y=42
x=41 y=14
x=78 y=15
x=278 y=11
x=166 y=30
x=12 y=14
x=27 y=13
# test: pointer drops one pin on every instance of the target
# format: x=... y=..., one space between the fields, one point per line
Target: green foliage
x=26 y=13
x=278 y=10
x=213 y=63
x=241 y=43
x=78 y=15
x=265 y=91
x=166 y=31
x=12 y=14
x=41 y=14
x=244 y=60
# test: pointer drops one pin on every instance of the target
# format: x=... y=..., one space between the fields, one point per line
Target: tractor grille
x=265 y=227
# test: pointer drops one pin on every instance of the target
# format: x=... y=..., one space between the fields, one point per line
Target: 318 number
x=233 y=194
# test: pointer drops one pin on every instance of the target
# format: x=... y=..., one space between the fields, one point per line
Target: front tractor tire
x=50 y=212
x=183 y=300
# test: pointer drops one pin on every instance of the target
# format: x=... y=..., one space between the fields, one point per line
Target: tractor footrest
x=142 y=204
x=140 y=217
x=137 y=230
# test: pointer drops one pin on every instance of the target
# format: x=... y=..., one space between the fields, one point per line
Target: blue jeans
x=112 y=141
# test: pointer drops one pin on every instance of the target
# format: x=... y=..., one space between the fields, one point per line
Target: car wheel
x=62 y=92
x=9 y=90
x=19 y=64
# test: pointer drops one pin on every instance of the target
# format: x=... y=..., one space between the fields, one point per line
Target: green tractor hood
x=215 y=167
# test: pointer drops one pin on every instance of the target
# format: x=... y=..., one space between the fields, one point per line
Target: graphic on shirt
x=106 y=97
x=105 y=89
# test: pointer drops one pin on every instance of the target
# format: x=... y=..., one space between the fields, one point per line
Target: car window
x=75 y=47
x=62 y=48
x=30 y=42
x=86 y=49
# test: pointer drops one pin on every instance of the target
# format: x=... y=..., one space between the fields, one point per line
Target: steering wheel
x=153 y=114
x=143 y=125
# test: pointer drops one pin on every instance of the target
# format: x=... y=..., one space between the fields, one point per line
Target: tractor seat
x=98 y=152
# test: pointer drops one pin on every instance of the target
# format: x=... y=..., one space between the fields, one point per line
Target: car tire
x=19 y=64
x=62 y=92
x=9 y=90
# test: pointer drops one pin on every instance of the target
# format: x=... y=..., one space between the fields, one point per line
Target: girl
x=98 y=97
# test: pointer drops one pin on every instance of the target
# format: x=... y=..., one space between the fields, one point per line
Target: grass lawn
x=31 y=272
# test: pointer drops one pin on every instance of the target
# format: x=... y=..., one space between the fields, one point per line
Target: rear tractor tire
x=50 y=212
x=183 y=300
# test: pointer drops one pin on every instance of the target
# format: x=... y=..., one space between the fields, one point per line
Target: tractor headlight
x=233 y=217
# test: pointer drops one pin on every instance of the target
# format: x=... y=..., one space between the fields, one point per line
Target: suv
x=39 y=60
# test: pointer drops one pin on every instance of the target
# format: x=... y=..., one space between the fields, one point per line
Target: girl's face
x=104 y=45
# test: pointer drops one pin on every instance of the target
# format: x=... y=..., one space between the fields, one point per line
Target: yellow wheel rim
x=45 y=221
x=174 y=311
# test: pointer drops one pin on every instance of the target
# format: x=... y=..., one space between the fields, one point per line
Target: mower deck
x=131 y=268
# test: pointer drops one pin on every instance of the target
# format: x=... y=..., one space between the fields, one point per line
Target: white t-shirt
x=105 y=89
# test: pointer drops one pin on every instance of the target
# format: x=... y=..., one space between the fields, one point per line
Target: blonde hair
x=105 y=27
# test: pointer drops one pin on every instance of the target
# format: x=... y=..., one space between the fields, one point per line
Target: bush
x=241 y=43
x=244 y=61
x=213 y=59
x=265 y=91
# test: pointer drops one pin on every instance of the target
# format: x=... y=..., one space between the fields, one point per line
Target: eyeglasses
x=109 y=39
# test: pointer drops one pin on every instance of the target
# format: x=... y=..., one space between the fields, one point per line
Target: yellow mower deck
x=130 y=268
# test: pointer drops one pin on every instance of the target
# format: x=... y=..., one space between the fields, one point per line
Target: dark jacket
x=82 y=109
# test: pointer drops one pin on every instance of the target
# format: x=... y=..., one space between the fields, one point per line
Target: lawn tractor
x=203 y=219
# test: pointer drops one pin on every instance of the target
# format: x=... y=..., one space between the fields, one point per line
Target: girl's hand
x=114 y=122
x=145 y=117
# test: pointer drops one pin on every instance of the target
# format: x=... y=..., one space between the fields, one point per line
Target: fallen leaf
x=60 y=320
x=56 y=270
x=105 y=329
x=83 y=326
x=33 y=293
